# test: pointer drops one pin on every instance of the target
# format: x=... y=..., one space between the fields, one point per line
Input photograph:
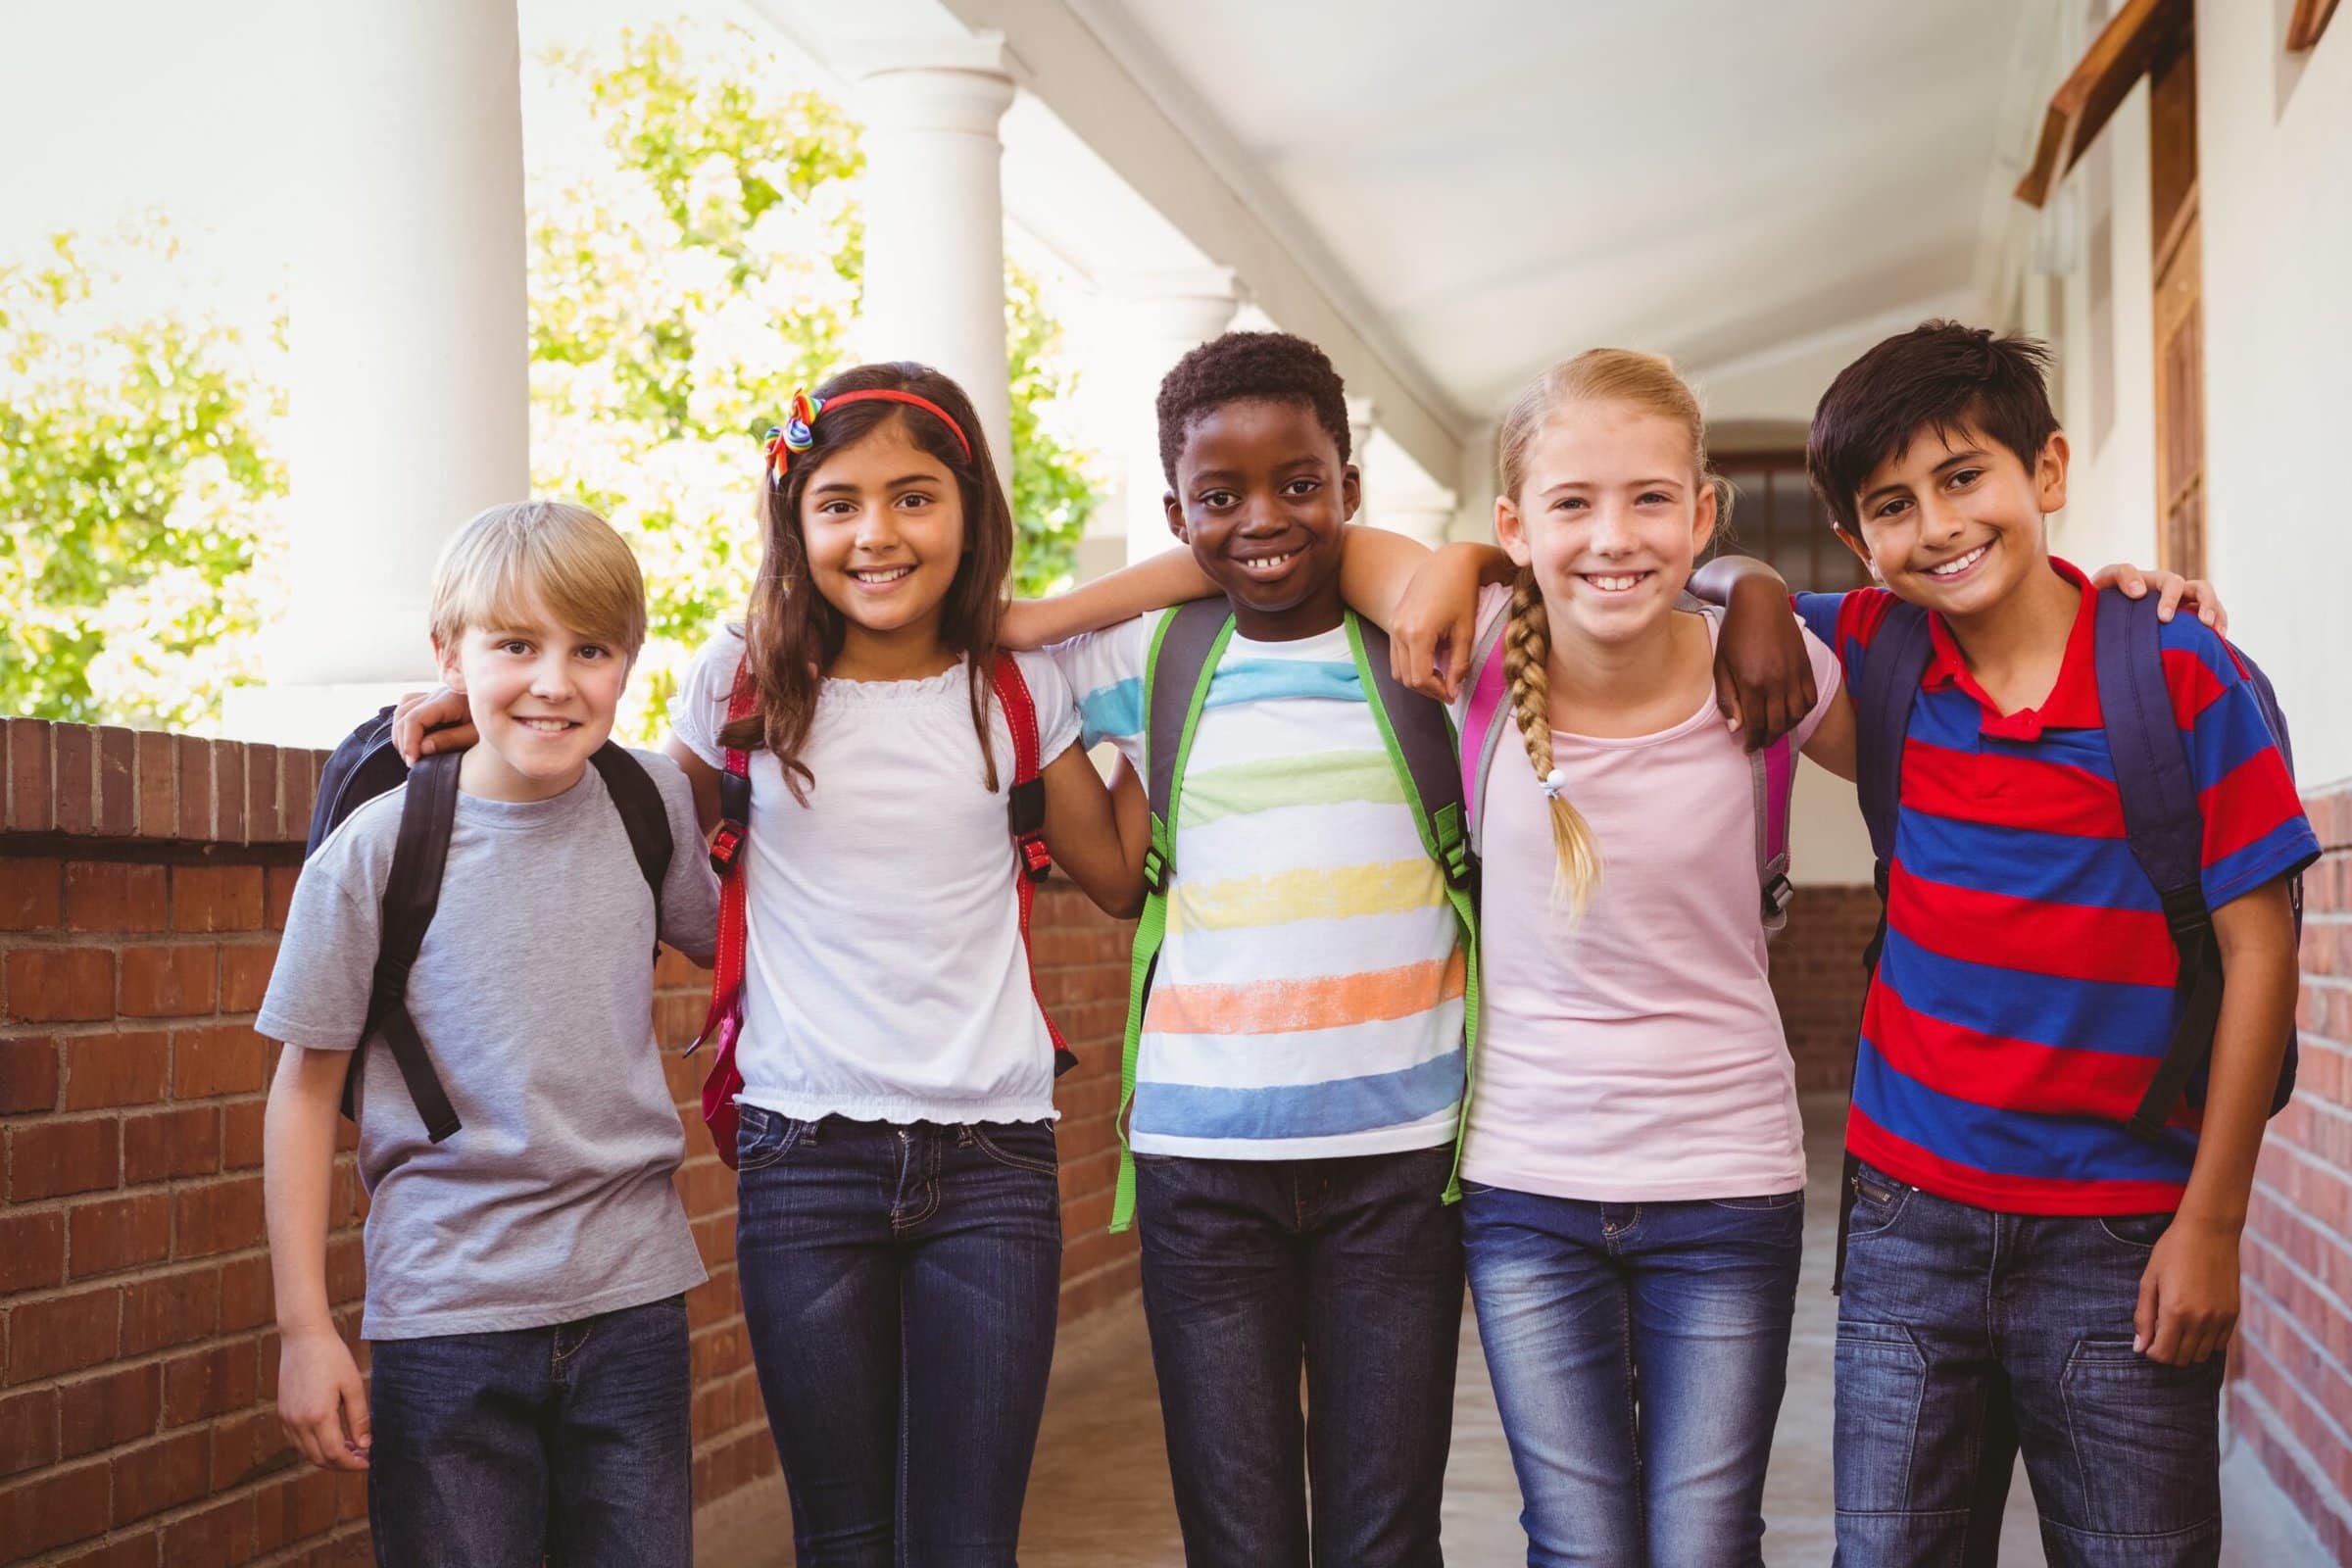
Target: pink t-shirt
x=1635 y=1055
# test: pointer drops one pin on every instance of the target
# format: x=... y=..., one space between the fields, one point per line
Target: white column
x=934 y=215
x=1474 y=491
x=1359 y=443
x=1163 y=317
x=1427 y=516
x=409 y=373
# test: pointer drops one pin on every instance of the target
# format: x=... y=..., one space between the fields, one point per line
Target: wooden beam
x=2109 y=69
x=2310 y=19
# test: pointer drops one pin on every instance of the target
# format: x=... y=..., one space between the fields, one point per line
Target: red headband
x=797 y=432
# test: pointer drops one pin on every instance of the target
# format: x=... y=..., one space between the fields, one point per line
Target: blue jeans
x=901 y=1285
x=1965 y=1337
x=1351 y=1267
x=570 y=1444
x=1638 y=1353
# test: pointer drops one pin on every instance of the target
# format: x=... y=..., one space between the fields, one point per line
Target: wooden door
x=2180 y=322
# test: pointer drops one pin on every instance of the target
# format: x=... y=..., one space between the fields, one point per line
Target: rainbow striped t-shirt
x=1308 y=998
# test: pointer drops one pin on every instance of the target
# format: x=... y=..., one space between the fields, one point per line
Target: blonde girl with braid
x=1634 y=1170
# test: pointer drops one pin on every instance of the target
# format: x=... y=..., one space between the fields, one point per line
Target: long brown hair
x=1644 y=381
x=792 y=635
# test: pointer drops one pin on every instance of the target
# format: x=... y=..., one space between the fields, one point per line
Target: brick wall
x=2290 y=1390
x=143 y=878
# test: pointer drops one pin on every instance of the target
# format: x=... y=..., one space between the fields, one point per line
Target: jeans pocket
x=765 y=1136
x=2147 y=1438
x=1879 y=1202
x=1881 y=1387
x=2139 y=1232
x=1021 y=1145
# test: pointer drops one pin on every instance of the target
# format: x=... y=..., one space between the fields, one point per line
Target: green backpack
x=1418 y=735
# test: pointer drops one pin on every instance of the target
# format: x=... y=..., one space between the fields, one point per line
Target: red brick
x=118 y=792
x=31 y=796
x=245 y=974
x=56 y=984
x=118 y=1232
x=218 y=1217
x=300 y=781
x=211 y=1538
x=28 y=1075
x=140 y=1550
x=111 y=1409
x=242 y=1135
x=33 y=1250
x=296 y=1507
x=172 y=1143
x=217 y=898
x=228 y=791
x=167 y=1309
x=221 y=1059
x=117 y=1069
x=279 y=896
x=345 y=1269
x=212 y=1381
x=246 y=1294
x=32 y=892
x=28 y=1431
x=195 y=760
x=76 y=786
x=115 y=896
x=162 y=1475
x=53 y=1510
x=263 y=807
x=247 y=1445
x=52 y=1159
x=159 y=786
x=63 y=1334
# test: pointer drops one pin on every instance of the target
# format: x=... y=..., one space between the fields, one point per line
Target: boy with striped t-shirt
x=2024 y=1271
x=1301 y=1070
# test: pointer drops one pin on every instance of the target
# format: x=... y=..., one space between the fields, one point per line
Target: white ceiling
x=1497 y=183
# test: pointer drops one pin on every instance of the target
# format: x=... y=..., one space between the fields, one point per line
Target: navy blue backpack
x=2160 y=819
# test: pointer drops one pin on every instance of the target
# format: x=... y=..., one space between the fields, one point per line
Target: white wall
x=2275 y=136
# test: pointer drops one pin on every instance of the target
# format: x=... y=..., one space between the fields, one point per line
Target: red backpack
x=724 y=1021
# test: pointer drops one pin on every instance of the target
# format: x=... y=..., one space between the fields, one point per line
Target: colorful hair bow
x=797 y=432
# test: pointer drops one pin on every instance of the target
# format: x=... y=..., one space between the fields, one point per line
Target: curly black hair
x=1268 y=366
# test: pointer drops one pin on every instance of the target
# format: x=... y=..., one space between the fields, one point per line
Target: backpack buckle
x=1457 y=863
x=1777 y=894
x=2184 y=913
x=726 y=846
x=1026 y=806
x=1036 y=859
x=1155 y=869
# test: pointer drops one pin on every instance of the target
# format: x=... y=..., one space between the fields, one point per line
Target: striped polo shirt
x=1308 y=998
x=2026 y=993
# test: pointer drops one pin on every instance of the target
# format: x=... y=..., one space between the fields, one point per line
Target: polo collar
x=2073 y=703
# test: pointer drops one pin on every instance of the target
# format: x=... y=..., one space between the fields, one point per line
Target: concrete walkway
x=1098 y=1496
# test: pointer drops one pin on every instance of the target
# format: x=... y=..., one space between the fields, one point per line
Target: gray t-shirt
x=533 y=993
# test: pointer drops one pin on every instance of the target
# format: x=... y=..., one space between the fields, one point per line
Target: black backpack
x=366 y=766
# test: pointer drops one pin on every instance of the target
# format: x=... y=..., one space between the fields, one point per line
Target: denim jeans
x=571 y=1443
x=901 y=1285
x=1966 y=1336
x=1639 y=1353
x=1351 y=1267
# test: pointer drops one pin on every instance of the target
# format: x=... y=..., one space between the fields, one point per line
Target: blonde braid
x=1527 y=666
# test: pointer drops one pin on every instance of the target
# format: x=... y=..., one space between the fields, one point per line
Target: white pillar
x=1359 y=443
x=409 y=335
x=935 y=216
x=1163 y=317
x=1474 y=515
x=1427 y=516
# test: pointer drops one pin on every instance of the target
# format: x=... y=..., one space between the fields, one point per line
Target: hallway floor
x=1098 y=1495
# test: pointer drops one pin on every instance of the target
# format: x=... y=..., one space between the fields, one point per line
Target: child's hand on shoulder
x=438 y=720
x=1435 y=625
x=1764 y=683
x=1028 y=625
x=2173 y=592
x=321 y=1401
x=2188 y=1294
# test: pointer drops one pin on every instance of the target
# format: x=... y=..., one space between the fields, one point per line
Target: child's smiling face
x=1954 y=521
x=1262 y=494
x=883 y=522
x=1610 y=517
x=542 y=698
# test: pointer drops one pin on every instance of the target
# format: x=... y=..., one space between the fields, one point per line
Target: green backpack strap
x=1418 y=734
x=1176 y=678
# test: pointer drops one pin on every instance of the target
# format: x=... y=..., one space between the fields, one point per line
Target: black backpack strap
x=362 y=766
x=638 y=799
x=1424 y=735
x=1178 y=659
x=1891 y=671
x=411 y=894
x=2166 y=830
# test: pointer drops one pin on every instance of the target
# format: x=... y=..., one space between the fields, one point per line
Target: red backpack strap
x=1026 y=814
x=724 y=1020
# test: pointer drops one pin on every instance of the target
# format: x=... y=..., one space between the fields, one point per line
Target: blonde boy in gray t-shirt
x=525 y=1276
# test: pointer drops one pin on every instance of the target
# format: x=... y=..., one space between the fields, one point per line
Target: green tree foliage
x=137 y=492
x=682 y=291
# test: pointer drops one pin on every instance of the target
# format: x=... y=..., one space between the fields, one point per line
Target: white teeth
x=1615 y=584
x=883 y=574
x=1267 y=563
x=550 y=726
x=1954 y=567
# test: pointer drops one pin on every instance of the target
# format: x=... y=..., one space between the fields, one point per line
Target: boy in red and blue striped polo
x=2022 y=1270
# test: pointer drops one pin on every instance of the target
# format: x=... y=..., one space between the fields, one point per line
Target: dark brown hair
x=792 y=635
x=1244 y=367
x=1939 y=376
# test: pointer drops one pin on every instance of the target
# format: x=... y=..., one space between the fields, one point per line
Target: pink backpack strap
x=1773 y=772
x=724 y=1020
x=1483 y=725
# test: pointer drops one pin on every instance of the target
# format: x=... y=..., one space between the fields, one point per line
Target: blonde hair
x=1646 y=383
x=565 y=558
